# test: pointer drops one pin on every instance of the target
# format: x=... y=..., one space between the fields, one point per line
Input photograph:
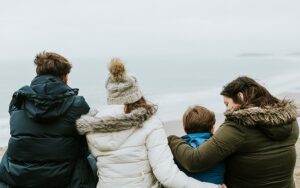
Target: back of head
x=198 y=119
x=253 y=94
x=51 y=63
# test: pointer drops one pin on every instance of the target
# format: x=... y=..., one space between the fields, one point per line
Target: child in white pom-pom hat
x=128 y=139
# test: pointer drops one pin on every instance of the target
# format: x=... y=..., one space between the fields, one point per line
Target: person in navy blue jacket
x=199 y=124
x=45 y=149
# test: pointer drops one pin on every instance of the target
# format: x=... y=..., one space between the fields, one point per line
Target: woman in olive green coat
x=257 y=139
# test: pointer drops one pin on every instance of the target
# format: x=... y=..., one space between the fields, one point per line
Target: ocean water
x=171 y=83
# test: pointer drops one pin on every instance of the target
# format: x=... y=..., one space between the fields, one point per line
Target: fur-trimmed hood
x=277 y=115
x=274 y=121
x=91 y=123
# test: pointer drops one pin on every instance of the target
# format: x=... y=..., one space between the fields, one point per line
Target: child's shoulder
x=109 y=110
x=154 y=123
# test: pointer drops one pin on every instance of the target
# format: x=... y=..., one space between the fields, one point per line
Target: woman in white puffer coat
x=129 y=142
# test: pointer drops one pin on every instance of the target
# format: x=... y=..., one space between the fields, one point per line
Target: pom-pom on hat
x=122 y=88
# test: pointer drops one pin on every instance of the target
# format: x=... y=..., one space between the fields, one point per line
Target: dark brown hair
x=198 y=119
x=141 y=103
x=254 y=94
x=52 y=63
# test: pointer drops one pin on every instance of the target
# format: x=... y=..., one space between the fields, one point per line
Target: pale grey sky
x=106 y=28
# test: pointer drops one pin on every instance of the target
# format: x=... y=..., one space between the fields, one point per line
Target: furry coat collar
x=276 y=115
x=91 y=123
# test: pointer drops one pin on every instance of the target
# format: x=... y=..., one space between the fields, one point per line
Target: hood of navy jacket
x=46 y=99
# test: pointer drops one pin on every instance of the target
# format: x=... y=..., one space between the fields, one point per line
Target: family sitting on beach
x=58 y=141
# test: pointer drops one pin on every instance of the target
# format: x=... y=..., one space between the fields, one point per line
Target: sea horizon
x=173 y=87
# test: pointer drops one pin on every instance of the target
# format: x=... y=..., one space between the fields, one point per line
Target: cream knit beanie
x=122 y=88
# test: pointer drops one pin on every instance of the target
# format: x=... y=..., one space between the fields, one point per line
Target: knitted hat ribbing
x=122 y=88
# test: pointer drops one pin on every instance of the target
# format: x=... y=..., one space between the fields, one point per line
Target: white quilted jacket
x=136 y=157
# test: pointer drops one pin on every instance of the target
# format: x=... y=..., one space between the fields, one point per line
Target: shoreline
x=175 y=127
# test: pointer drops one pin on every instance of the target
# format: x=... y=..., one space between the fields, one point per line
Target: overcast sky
x=106 y=28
